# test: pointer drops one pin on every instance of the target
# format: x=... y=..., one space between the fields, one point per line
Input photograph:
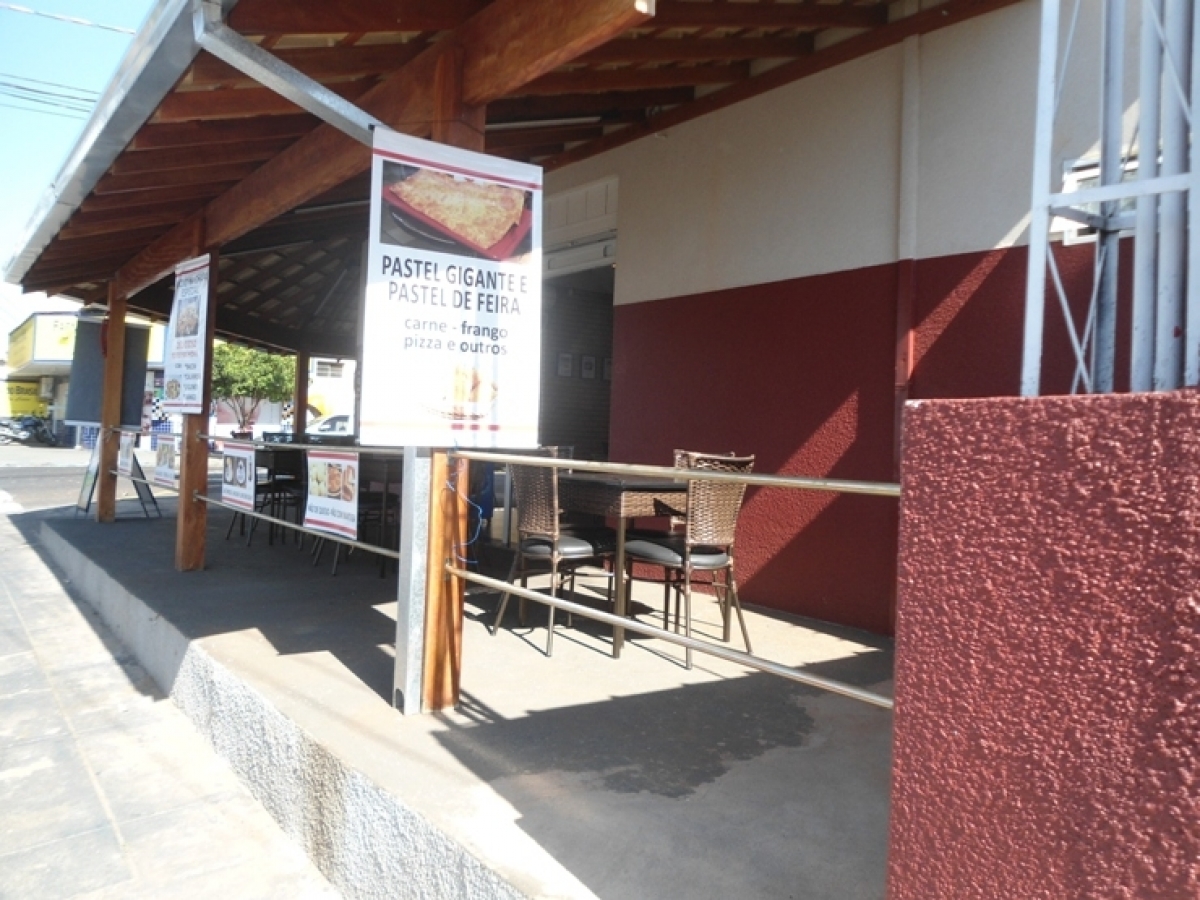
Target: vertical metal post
x=1039 y=225
x=1145 y=247
x=1191 y=356
x=1112 y=108
x=1172 y=240
x=410 y=595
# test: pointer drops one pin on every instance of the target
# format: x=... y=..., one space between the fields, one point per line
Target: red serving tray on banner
x=501 y=250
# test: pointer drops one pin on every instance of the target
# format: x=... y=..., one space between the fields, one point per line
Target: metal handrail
x=288 y=445
x=370 y=548
x=721 y=652
x=840 y=486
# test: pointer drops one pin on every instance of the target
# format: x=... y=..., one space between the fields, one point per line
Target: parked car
x=338 y=423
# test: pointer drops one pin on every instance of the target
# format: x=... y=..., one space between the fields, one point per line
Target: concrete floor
x=573 y=776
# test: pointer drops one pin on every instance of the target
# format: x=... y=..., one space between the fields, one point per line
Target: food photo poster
x=332 y=503
x=453 y=305
x=238 y=475
x=183 y=360
x=166 y=462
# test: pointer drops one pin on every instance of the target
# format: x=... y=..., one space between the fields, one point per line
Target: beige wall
x=806 y=180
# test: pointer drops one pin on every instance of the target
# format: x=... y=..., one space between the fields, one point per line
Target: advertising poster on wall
x=332 y=503
x=453 y=309
x=166 y=462
x=125 y=454
x=183 y=356
x=238 y=475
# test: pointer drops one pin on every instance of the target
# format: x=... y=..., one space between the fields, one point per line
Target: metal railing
x=749 y=660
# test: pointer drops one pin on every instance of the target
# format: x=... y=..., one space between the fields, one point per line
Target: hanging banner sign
x=453 y=312
x=183 y=355
x=125 y=455
x=166 y=462
x=238 y=476
x=332 y=503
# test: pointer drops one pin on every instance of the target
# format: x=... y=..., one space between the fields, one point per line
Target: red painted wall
x=802 y=374
x=1047 y=727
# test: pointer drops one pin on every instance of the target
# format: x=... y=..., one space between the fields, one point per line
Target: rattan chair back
x=713 y=506
x=536 y=491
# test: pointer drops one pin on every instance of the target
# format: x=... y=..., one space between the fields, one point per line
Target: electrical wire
x=43 y=112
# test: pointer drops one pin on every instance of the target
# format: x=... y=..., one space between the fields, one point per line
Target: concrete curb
x=364 y=840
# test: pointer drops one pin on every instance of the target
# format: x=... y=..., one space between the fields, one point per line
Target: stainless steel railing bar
x=721 y=652
x=285 y=445
x=841 y=486
x=369 y=548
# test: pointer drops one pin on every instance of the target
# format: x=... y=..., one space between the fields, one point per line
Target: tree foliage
x=242 y=378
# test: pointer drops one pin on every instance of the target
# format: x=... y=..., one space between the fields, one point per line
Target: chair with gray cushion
x=706 y=544
x=545 y=541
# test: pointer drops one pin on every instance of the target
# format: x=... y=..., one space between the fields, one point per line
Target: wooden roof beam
x=506 y=45
x=240 y=103
x=154 y=196
x=285 y=17
x=141 y=161
x=231 y=131
x=142 y=181
x=510 y=138
x=688 y=14
x=319 y=63
x=635 y=79
x=929 y=20
x=535 y=108
x=649 y=50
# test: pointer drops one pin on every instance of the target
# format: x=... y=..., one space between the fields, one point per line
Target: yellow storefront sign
x=20 y=398
x=54 y=340
x=20 y=344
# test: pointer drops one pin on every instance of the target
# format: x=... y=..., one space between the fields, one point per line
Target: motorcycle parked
x=27 y=430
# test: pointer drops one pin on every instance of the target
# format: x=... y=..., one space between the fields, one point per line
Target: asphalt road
x=33 y=478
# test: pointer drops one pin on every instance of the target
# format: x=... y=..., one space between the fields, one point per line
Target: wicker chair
x=544 y=540
x=706 y=544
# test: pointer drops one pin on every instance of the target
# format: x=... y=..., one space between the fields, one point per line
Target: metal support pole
x=1191 y=353
x=1039 y=224
x=1172 y=231
x=1145 y=247
x=410 y=594
x=1112 y=109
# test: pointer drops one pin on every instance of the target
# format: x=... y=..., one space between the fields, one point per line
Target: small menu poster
x=183 y=360
x=166 y=462
x=238 y=476
x=125 y=455
x=332 y=492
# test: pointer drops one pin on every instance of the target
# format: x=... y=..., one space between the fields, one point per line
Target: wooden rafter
x=933 y=19
x=203 y=134
x=197 y=106
x=635 y=79
x=283 y=17
x=320 y=63
x=690 y=14
x=507 y=44
x=648 y=50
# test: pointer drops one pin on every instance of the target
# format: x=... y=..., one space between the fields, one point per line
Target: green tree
x=242 y=378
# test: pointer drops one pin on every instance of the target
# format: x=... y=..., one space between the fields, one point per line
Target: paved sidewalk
x=106 y=790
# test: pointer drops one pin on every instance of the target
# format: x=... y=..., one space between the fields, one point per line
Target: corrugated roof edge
x=160 y=53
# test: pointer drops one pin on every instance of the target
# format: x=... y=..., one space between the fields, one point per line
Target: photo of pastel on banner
x=184 y=354
x=166 y=462
x=238 y=475
x=332 y=503
x=453 y=310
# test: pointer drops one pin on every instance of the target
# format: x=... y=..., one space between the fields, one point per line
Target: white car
x=335 y=424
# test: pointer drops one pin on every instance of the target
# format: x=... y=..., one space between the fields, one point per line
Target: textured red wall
x=802 y=373
x=1047 y=727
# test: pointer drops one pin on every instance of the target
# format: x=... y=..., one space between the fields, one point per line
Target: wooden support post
x=460 y=126
x=444 y=594
x=300 y=400
x=192 y=523
x=454 y=123
x=110 y=406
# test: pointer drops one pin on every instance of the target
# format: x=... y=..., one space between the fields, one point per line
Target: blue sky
x=43 y=54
